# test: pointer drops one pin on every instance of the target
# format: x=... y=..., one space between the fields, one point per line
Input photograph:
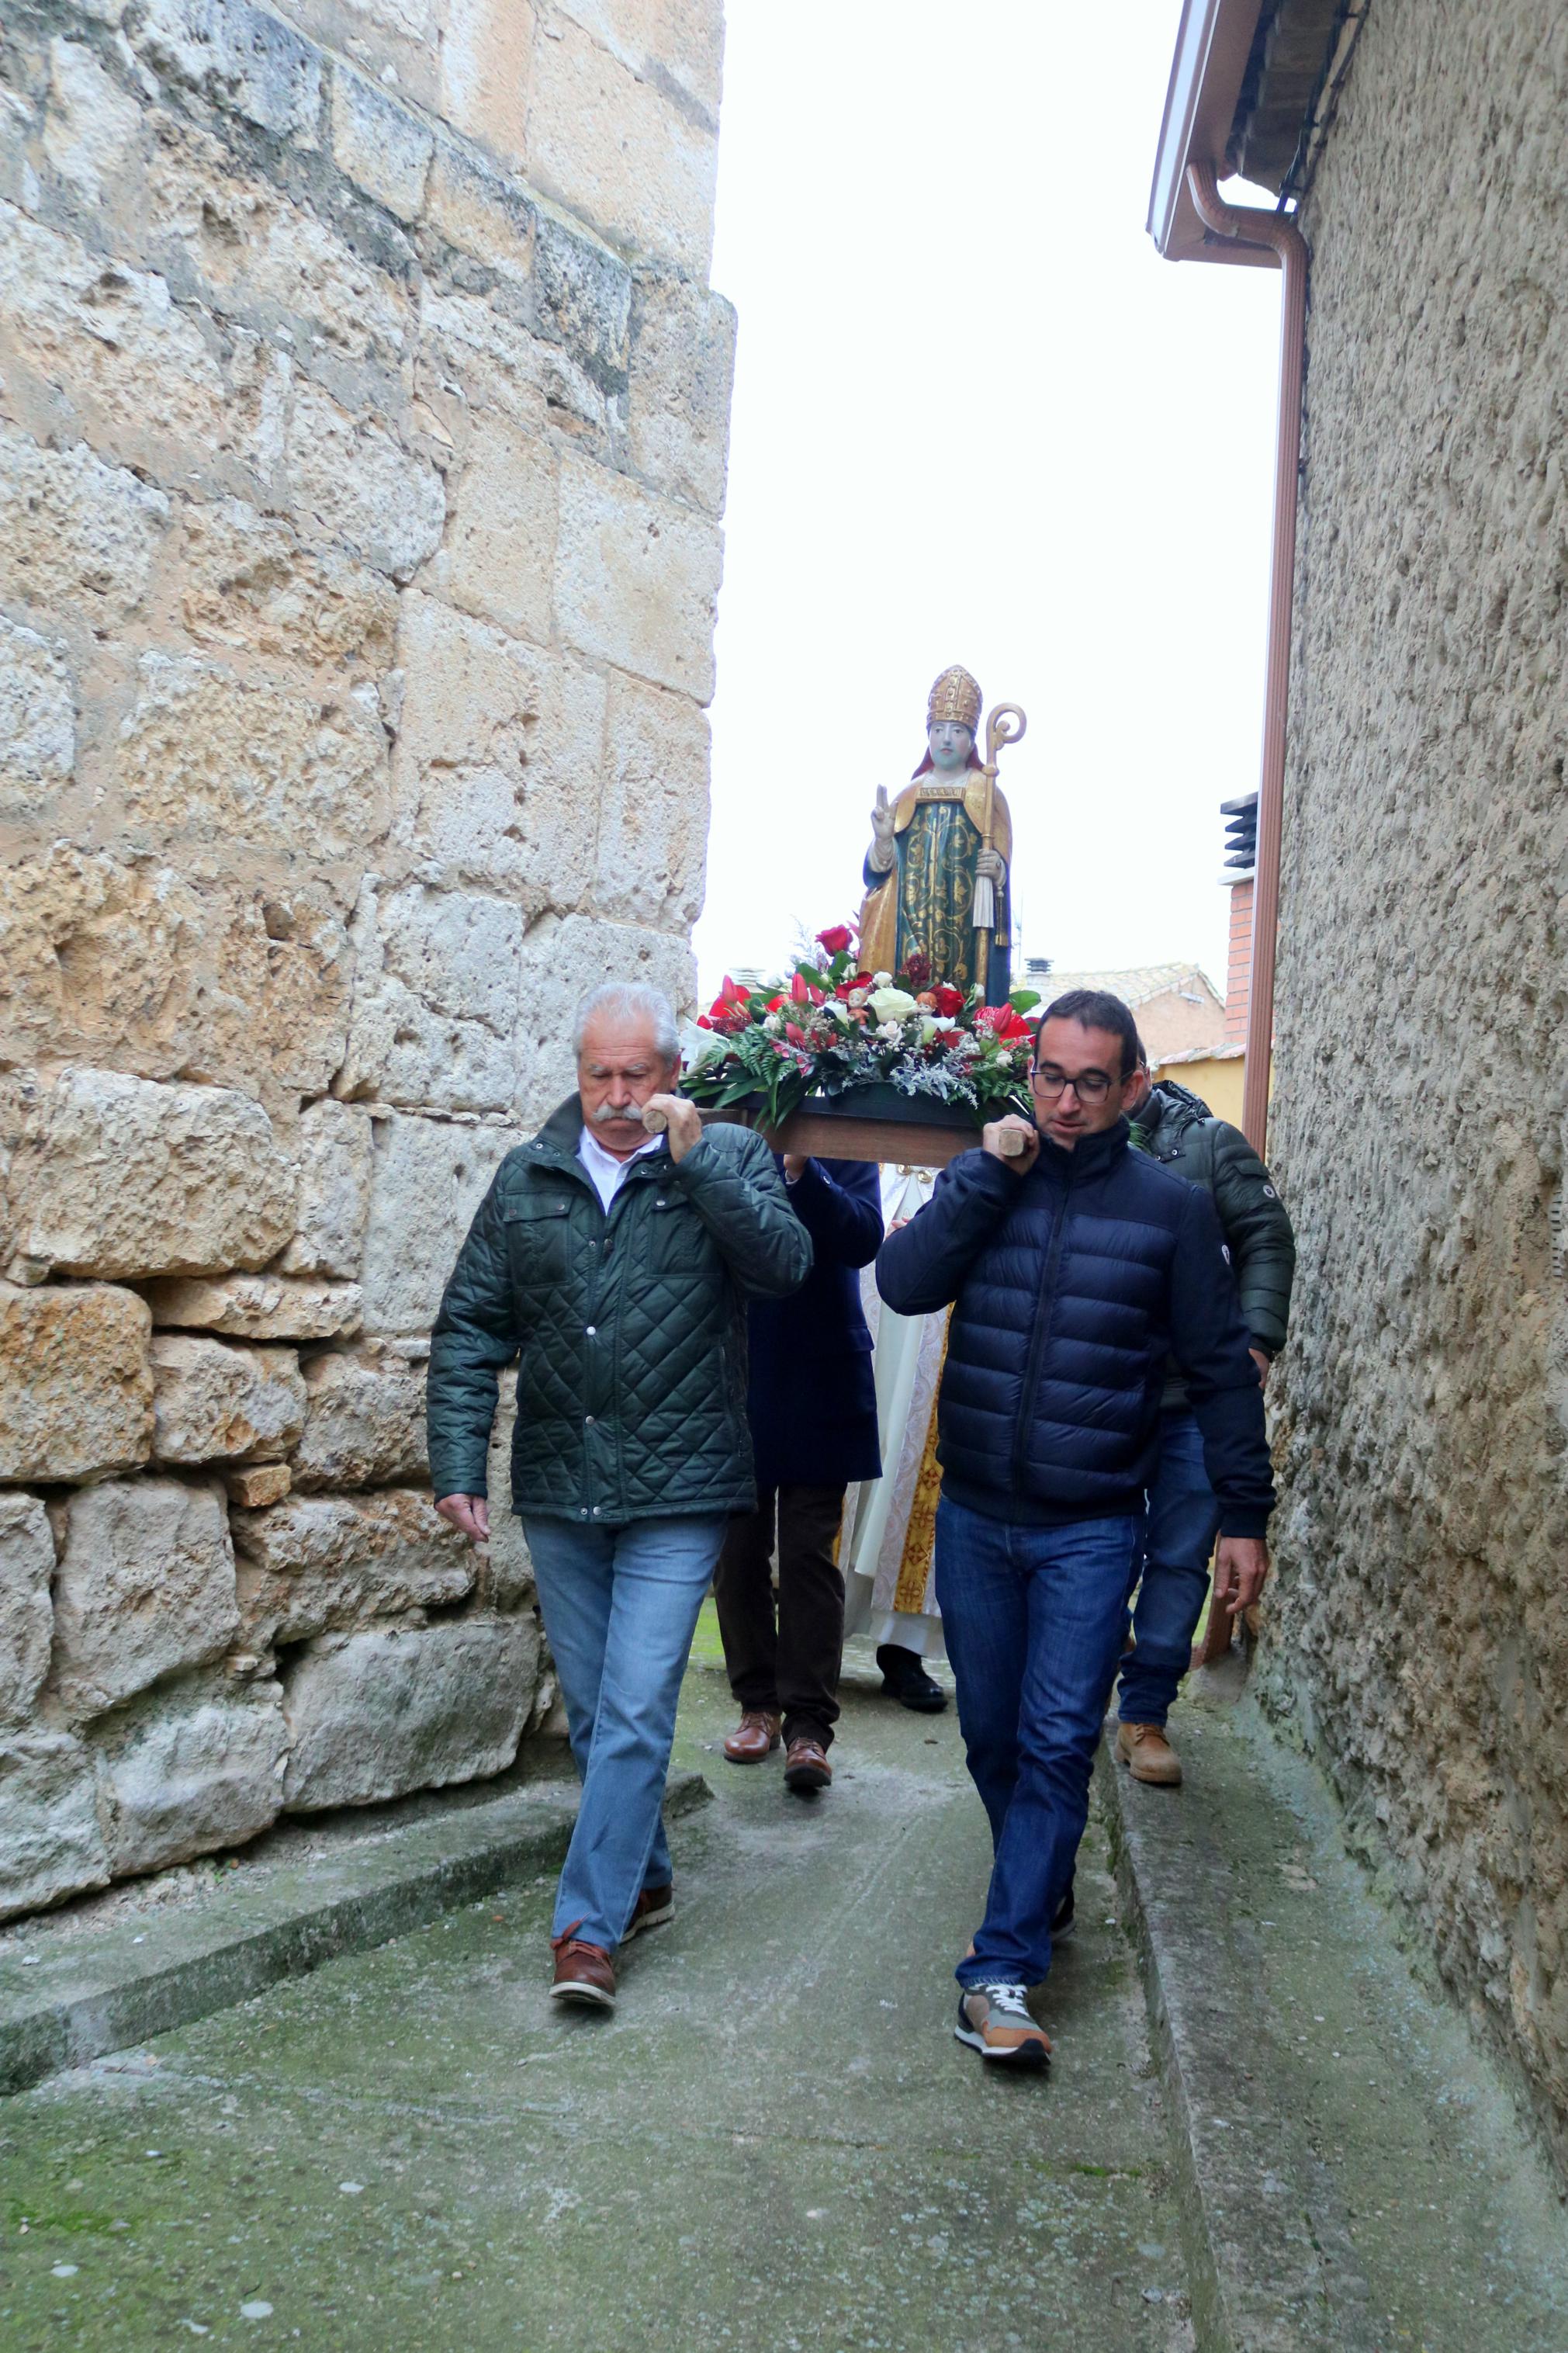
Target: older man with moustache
x=1075 y=1268
x=618 y=1265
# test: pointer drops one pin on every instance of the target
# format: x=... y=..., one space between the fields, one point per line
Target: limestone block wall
x=363 y=418
x=1418 y=1631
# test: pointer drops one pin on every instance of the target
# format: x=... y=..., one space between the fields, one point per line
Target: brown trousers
x=786 y=1662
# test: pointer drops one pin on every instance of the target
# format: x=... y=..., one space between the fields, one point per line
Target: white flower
x=893 y=1031
x=700 y=1046
x=774 y=1024
x=891 y=1003
x=838 y=1011
x=882 y=980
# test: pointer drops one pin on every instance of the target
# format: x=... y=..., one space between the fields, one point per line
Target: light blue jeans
x=620 y=1608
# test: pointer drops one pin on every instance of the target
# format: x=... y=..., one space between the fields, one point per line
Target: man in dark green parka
x=616 y=1265
x=1182 y=1512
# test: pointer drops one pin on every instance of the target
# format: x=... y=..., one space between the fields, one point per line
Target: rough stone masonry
x=363 y=418
x=1419 y=1622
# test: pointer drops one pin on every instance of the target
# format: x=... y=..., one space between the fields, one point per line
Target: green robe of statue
x=927 y=901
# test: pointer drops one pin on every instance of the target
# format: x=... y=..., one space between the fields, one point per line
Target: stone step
x=1354 y=2175
x=71 y=1990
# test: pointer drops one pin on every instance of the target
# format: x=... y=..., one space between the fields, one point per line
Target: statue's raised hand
x=884 y=855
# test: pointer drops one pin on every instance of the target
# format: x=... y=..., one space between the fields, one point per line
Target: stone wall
x=363 y=416
x=1418 y=1631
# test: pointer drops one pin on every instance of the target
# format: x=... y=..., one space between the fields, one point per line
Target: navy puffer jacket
x=1070 y=1288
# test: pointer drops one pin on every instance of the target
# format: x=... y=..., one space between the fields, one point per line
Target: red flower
x=797 y=1037
x=917 y=969
x=948 y=1000
x=835 y=939
x=798 y=988
x=1003 y=1022
x=774 y=1004
x=945 y=1037
x=704 y=1022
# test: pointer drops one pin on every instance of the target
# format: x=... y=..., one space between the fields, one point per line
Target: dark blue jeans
x=1034 y=1619
x=1181 y=1524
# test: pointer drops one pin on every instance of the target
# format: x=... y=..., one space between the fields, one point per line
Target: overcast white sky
x=977 y=419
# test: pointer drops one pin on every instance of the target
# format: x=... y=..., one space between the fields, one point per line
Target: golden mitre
x=956 y=696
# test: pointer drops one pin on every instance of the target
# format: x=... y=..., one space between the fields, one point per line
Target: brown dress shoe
x=654 y=1907
x=806 y=1768
x=1148 y=1755
x=755 y=1736
x=584 y=1972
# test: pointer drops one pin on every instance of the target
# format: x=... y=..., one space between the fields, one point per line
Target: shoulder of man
x=1139 y=1176
x=734 y=1142
x=1230 y=1148
x=534 y=1160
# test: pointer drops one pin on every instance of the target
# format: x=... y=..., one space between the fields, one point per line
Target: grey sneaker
x=995 y=2020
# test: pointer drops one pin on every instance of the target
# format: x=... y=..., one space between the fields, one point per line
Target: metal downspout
x=1251 y=227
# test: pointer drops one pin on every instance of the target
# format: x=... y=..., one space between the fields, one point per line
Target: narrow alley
x=776 y=2141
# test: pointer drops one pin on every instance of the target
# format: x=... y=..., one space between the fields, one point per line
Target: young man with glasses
x=1075 y=1269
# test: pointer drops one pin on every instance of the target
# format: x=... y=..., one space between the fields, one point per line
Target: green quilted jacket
x=1177 y=1129
x=630 y=1327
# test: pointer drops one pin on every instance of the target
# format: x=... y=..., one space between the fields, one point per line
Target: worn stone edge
x=359 y=1901
x=1237 y=2304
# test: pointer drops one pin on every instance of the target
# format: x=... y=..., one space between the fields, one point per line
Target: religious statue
x=936 y=872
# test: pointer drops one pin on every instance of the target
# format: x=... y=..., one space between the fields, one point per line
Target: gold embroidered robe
x=927 y=901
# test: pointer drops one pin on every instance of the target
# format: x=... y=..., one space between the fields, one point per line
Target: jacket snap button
x=591 y=1330
x=596 y=1511
x=589 y=1419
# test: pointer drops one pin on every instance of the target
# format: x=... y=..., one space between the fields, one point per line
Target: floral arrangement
x=828 y=1026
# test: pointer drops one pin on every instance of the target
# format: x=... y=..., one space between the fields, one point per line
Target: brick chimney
x=1241 y=845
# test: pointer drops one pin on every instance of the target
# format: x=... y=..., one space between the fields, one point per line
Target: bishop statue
x=936 y=872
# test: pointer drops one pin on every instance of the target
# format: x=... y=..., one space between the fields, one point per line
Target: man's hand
x=795 y=1166
x=884 y=835
x=469 y=1513
x=1262 y=1362
x=1023 y=1155
x=683 y=1124
x=989 y=867
x=1240 y=1567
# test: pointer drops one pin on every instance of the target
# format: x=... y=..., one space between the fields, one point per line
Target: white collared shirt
x=608 y=1172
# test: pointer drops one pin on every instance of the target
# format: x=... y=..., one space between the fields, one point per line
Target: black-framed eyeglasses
x=1091 y=1087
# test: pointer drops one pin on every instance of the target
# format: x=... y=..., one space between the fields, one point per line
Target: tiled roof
x=1136 y=987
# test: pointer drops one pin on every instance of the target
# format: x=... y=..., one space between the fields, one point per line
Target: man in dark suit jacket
x=812 y=1409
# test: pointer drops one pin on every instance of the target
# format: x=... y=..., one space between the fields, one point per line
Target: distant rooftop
x=1137 y=986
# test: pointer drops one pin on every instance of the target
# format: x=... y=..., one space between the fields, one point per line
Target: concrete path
x=775 y=2143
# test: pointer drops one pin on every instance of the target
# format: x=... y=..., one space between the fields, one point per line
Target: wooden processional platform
x=897 y=1143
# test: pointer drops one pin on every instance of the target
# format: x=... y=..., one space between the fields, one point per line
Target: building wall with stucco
x=1418 y=1632
x=363 y=425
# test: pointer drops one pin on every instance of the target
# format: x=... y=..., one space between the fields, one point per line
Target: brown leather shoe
x=584 y=1972
x=1148 y=1755
x=806 y=1768
x=755 y=1736
x=654 y=1907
